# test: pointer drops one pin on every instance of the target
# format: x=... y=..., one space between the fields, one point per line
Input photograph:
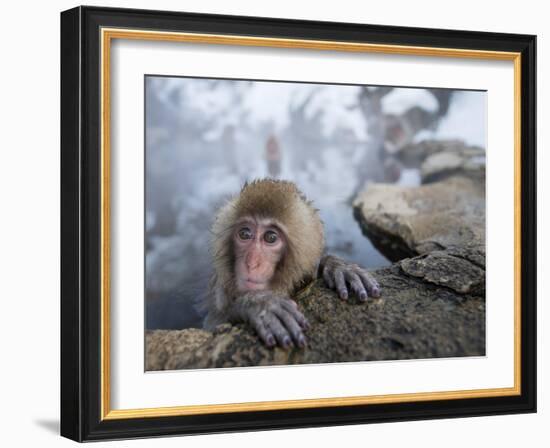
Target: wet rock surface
x=425 y=312
x=405 y=222
x=438 y=159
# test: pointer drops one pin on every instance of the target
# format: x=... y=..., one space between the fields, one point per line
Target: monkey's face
x=259 y=246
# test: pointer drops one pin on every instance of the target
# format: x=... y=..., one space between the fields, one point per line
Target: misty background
x=206 y=137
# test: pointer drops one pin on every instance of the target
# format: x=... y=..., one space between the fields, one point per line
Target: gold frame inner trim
x=107 y=35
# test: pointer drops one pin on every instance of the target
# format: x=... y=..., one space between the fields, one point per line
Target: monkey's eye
x=270 y=237
x=245 y=233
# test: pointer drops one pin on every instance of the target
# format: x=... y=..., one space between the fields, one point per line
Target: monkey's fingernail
x=286 y=342
x=363 y=296
x=376 y=292
x=270 y=341
x=344 y=296
x=302 y=341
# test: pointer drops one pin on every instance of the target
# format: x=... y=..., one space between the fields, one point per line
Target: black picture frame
x=81 y=380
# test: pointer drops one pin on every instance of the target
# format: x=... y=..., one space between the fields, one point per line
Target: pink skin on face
x=259 y=245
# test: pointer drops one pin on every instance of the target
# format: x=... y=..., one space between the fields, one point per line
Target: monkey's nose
x=253 y=266
x=253 y=260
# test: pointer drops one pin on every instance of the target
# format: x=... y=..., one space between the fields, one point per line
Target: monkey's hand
x=275 y=318
x=343 y=276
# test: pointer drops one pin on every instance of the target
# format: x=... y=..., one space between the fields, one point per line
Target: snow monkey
x=267 y=242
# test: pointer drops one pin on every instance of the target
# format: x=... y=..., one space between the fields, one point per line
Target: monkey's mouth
x=250 y=283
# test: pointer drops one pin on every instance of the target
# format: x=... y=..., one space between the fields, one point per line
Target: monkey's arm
x=275 y=317
x=343 y=276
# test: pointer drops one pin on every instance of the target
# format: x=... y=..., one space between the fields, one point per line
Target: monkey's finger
x=357 y=285
x=327 y=277
x=291 y=303
x=263 y=332
x=292 y=308
x=371 y=284
x=282 y=336
x=292 y=326
x=341 y=284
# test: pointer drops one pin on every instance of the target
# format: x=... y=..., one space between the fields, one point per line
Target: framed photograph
x=273 y=223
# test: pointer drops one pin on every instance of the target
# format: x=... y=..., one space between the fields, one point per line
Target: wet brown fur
x=299 y=221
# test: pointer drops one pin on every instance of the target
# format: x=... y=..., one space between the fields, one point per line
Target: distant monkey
x=273 y=156
x=267 y=242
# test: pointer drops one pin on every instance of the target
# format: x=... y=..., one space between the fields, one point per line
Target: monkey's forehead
x=262 y=222
x=257 y=220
